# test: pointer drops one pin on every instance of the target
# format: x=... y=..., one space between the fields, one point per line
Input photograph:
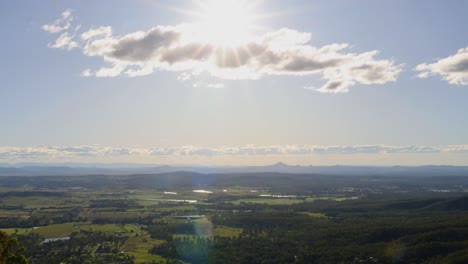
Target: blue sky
x=191 y=112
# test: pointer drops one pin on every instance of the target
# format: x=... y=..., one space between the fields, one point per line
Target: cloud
x=453 y=69
x=414 y=149
x=65 y=41
x=73 y=152
x=177 y=48
x=87 y=73
x=97 y=32
x=61 y=24
x=458 y=149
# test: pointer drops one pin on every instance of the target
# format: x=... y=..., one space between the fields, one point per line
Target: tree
x=11 y=250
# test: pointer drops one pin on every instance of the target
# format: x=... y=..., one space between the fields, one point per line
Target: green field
x=139 y=246
x=226 y=231
x=66 y=229
x=270 y=201
x=316 y=215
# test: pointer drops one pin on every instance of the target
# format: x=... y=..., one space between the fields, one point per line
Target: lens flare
x=225 y=22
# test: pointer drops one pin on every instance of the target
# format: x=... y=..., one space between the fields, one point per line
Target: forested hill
x=127 y=169
x=276 y=182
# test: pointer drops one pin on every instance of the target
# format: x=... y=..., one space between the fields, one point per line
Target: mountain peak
x=280 y=164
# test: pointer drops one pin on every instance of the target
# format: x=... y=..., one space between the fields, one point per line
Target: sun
x=226 y=22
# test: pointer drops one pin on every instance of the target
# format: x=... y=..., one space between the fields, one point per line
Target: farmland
x=117 y=220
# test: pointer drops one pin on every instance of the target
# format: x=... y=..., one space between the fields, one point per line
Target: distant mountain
x=76 y=169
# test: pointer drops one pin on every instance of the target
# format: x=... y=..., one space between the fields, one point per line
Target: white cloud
x=61 y=24
x=458 y=148
x=453 y=69
x=176 y=48
x=87 y=73
x=71 y=152
x=65 y=41
x=97 y=32
x=114 y=71
x=183 y=77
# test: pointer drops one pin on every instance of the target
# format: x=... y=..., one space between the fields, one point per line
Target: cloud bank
x=453 y=69
x=72 y=152
x=177 y=49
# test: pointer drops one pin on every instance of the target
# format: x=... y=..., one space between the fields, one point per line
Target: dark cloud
x=143 y=47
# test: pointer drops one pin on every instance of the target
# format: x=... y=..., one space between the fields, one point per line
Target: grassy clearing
x=225 y=231
x=33 y=202
x=66 y=229
x=14 y=213
x=173 y=205
x=116 y=215
x=315 y=215
x=311 y=199
x=50 y=231
x=131 y=228
x=139 y=248
x=19 y=231
x=102 y=228
x=144 y=196
x=177 y=207
x=273 y=201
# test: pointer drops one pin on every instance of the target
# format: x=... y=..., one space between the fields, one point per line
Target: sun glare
x=226 y=22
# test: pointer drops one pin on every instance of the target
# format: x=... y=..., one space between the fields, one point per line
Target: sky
x=234 y=82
